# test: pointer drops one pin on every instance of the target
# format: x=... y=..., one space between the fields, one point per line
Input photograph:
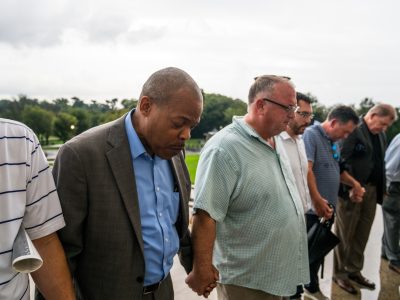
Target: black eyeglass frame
x=305 y=114
x=287 y=108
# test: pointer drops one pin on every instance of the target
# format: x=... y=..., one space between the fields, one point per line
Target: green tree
x=83 y=118
x=364 y=106
x=40 y=121
x=65 y=126
x=129 y=103
x=215 y=114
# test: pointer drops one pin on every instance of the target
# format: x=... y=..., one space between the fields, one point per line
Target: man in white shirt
x=290 y=147
x=293 y=146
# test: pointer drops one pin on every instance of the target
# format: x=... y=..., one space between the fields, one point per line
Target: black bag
x=321 y=240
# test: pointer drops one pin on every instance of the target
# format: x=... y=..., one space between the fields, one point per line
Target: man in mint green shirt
x=249 y=221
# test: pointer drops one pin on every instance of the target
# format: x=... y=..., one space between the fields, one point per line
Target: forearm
x=321 y=206
x=349 y=180
x=203 y=237
x=53 y=279
x=312 y=186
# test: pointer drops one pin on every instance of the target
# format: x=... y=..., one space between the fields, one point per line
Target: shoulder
x=14 y=128
x=99 y=135
x=311 y=134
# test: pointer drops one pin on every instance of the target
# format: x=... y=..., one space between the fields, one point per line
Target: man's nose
x=185 y=134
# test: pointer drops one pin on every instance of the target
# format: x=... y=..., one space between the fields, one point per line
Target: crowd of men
x=113 y=212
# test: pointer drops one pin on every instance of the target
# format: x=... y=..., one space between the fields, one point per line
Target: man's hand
x=356 y=193
x=323 y=209
x=203 y=280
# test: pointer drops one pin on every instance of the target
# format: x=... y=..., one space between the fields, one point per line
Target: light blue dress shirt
x=392 y=159
x=159 y=206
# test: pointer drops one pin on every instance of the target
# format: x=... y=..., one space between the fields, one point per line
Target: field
x=191 y=160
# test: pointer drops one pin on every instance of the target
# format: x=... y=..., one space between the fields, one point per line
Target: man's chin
x=169 y=153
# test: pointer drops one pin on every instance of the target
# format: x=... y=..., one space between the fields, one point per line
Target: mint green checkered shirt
x=261 y=238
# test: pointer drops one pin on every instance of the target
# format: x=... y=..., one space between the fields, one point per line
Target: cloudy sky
x=340 y=51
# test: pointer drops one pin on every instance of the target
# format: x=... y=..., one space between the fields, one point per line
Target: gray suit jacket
x=103 y=238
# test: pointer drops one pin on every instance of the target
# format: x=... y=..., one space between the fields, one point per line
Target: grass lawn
x=191 y=160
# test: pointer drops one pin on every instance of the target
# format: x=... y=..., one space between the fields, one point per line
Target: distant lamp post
x=72 y=127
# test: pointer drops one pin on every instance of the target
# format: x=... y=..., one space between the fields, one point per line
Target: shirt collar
x=247 y=129
x=322 y=131
x=135 y=144
x=285 y=136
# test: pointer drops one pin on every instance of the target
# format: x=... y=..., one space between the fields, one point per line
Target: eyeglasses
x=287 y=108
x=305 y=114
x=335 y=152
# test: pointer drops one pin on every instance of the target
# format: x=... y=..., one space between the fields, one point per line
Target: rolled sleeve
x=217 y=181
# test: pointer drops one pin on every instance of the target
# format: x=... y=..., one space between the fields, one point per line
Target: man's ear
x=145 y=105
x=259 y=104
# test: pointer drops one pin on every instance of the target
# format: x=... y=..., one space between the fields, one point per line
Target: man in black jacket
x=362 y=154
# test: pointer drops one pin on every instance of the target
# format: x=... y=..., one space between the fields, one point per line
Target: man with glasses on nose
x=290 y=147
x=325 y=174
x=249 y=221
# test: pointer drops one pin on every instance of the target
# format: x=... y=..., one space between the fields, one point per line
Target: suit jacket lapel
x=119 y=158
x=180 y=176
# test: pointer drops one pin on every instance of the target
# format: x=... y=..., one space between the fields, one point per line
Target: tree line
x=65 y=118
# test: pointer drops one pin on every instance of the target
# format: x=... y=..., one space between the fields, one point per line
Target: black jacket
x=357 y=156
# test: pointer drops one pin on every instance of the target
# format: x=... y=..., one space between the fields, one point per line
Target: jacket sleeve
x=70 y=181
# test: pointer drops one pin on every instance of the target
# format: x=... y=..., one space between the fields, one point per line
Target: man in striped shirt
x=28 y=199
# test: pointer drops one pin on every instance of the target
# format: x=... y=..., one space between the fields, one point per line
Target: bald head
x=170 y=105
x=163 y=84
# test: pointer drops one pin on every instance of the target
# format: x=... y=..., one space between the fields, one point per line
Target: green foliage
x=40 y=121
x=217 y=113
x=83 y=118
x=65 y=126
x=192 y=159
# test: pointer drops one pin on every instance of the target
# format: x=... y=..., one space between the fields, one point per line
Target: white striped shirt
x=28 y=197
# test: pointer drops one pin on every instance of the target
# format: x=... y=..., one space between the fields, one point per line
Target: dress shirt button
x=160 y=214
x=158 y=189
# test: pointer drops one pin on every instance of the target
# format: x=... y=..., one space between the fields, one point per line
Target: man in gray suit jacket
x=124 y=189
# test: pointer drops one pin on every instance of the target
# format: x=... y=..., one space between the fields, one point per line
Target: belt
x=151 y=288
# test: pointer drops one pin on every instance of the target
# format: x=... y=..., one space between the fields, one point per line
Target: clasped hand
x=203 y=280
